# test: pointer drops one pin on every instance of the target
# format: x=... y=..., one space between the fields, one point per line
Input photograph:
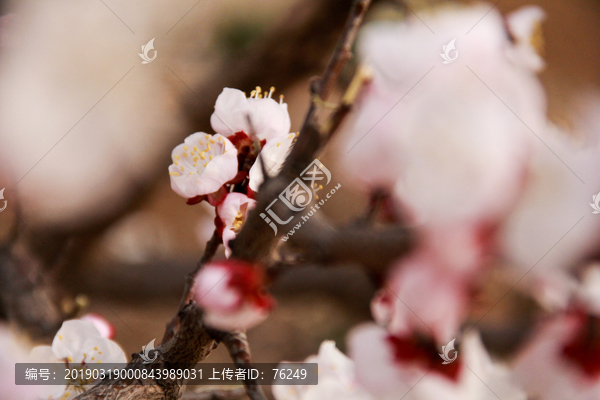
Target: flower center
x=196 y=155
x=236 y=226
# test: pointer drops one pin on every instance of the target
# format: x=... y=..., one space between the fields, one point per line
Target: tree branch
x=192 y=342
x=209 y=252
x=239 y=349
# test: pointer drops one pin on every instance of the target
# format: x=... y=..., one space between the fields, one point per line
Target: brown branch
x=373 y=248
x=209 y=252
x=220 y=394
x=239 y=349
x=342 y=52
x=256 y=241
x=30 y=294
x=190 y=345
x=192 y=342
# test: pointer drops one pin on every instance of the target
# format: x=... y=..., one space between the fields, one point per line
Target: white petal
x=194 y=173
x=102 y=350
x=269 y=118
x=42 y=354
x=273 y=154
x=230 y=112
x=522 y=24
x=70 y=338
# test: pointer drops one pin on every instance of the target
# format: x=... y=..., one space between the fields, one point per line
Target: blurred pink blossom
x=232 y=295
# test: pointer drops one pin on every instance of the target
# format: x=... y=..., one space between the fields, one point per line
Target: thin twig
x=209 y=252
x=342 y=52
x=239 y=349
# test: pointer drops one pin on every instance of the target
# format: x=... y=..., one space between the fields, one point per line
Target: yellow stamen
x=205 y=164
x=174 y=173
x=186 y=148
x=177 y=157
x=236 y=226
x=203 y=155
x=211 y=157
x=278 y=144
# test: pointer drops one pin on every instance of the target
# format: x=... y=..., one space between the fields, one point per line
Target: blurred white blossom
x=336 y=379
x=390 y=368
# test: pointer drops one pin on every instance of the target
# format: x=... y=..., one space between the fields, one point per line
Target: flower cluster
x=467 y=156
x=224 y=169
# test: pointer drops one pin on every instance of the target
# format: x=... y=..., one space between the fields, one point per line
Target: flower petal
x=69 y=339
x=273 y=154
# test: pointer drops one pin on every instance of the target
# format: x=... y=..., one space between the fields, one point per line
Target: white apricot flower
x=553 y=205
x=336 y=379
x=273 y=154
x=232 y=213
x=434 y=283
x=232 y=295
x=391 y=367
x=202 y=164
x=77 y=344
x=259 y=114
x=437 y=135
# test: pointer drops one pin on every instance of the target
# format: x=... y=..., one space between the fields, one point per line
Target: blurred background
x=86 y=133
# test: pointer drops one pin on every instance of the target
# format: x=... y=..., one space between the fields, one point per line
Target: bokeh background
x=86 y=133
